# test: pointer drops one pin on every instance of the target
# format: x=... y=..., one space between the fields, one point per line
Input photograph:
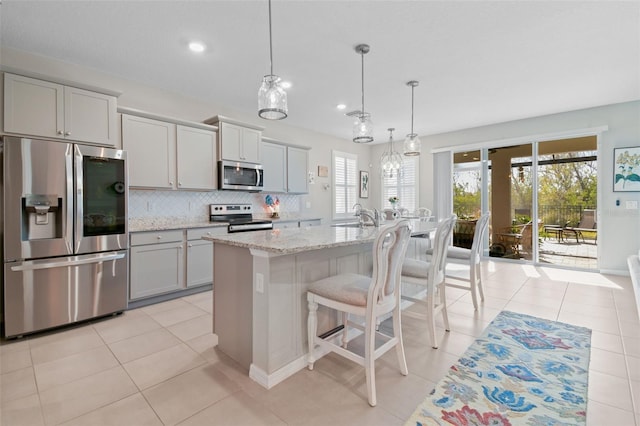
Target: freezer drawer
x=47 y=293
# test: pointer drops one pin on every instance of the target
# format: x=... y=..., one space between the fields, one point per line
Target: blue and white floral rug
x=523 y=370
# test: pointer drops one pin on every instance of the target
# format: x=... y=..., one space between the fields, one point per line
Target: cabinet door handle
x=60 y=132
x=179 y=183
x=180 y=247
x=67 y=133
x=159 y=237
x=170 y=182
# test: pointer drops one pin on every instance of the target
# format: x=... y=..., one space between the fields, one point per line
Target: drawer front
x=156 y=237
x=198 y=233
x=311 y=222
x=284 y=225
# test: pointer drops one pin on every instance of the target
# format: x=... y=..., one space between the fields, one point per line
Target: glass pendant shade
x=272 y=99
x=362 y=126
x=412 y=145
x=363 y=129
x=391 y=161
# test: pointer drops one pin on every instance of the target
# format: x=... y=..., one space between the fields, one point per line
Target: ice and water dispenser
x=41 y=217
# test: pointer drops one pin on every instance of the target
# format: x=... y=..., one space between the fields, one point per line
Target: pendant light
x=391 y=161
x=272 y=99
x=412 y=142
x=362 y=127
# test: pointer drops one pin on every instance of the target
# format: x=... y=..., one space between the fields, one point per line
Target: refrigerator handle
x=69 y=203
x=78 y=199
x=97 y=258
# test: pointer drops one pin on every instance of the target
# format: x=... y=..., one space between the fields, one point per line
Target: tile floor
x=157 y=365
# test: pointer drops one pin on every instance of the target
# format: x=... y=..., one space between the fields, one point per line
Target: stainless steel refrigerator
x=64 y=233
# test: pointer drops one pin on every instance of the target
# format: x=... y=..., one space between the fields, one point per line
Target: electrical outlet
x=631 y=205
x=150 y=206
x=308 y=204
x=259 y=283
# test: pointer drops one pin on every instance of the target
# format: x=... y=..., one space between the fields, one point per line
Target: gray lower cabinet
x=296 y=224
x=200 y=256
x=310 y=222
x=169 y=261
x=284 y=225
x=157 y=263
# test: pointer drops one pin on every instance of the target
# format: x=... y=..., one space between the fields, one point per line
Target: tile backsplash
x=195 y=205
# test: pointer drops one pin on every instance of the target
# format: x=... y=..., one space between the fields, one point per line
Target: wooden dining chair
x=368 y=298
x=430 y=276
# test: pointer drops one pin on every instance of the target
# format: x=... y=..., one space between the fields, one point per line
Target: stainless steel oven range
x=239 y=216
x=64 y=235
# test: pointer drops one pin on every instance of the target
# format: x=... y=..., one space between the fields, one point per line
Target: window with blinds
x=405 y=188
x=345 y=184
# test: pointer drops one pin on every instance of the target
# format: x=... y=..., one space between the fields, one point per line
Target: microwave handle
x=258 y=176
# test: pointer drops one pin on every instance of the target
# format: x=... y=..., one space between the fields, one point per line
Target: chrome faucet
x=375 y=216
x=358 y=209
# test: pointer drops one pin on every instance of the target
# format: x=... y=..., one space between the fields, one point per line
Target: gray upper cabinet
x=196 y=152
x=237 y=141
x=151 y=152
x=41 y=108
x=297 y=166
x=166 y=155
x=285 y=167
x=274 y=164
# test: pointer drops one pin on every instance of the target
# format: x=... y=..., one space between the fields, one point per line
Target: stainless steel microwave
x=240 y=176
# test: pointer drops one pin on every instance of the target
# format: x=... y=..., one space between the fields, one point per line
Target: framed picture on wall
x=364 y=184
x=626 y=169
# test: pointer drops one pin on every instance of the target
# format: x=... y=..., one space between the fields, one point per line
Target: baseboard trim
x=268 y=381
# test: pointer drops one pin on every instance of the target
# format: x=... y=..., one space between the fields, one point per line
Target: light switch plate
x=631 y=205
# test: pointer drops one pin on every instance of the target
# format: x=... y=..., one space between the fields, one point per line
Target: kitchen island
x=261 y=280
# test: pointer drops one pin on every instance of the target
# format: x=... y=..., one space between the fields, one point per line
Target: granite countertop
x=167 y=223
x=296 y=240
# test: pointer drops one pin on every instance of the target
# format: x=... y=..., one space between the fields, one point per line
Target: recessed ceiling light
x=196 y=46
x=286 y=85
x=341 y=106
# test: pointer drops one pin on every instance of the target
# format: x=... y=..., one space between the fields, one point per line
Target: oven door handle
x=96 y=258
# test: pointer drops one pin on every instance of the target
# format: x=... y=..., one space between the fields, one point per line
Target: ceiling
x=477 y=62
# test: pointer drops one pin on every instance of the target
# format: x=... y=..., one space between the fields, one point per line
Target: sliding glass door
x=542 y=199
x=511 y=195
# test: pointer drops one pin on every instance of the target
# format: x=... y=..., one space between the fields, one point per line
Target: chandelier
x=362 y=126
x=412 y=142
x=272 y=99
x=391 y=161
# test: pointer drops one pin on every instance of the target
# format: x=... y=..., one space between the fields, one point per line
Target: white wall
x=618 y=228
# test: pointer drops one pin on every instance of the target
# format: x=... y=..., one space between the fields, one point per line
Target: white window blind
x=345 y=184
x=405 y=187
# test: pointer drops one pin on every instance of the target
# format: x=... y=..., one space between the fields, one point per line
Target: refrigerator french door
x=65 y=234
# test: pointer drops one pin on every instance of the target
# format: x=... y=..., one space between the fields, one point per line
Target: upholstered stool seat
x=344 y=288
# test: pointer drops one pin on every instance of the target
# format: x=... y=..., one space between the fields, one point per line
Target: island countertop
x=296 y=240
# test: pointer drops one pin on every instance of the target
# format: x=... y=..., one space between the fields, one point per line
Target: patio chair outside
x=587 y=223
